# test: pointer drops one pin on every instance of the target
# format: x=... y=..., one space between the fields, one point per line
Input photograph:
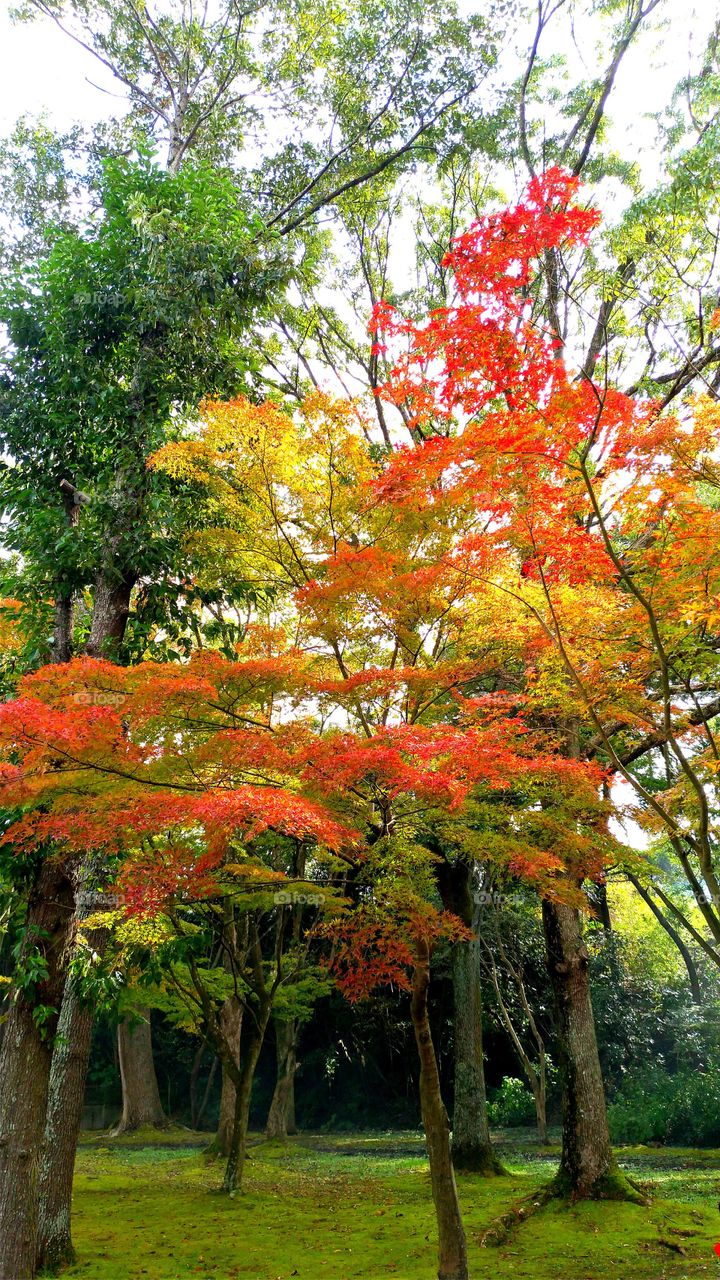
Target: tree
x=471 y=1144
x=141 y=1096
x=501 y=378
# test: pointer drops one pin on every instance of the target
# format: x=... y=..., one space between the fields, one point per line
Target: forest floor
x=329 y=1207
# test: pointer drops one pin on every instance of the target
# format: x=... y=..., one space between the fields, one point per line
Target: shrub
x=683 y=1109
x=511 y=1104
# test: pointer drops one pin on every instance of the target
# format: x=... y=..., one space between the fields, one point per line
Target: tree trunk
x=66 y=1096
x=141 y=1097
x=587 y=1165
x=471 y=1145
x=111 y=606
x=452 y=1252
x=243 y=1093
x=281 y=1116
x=231 y=1020
x=25 y=1068
x=63 y=628
x=540 y=1099
x=64 y=1117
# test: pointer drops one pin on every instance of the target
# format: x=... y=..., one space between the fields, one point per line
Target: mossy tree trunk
x=231 y=1020
x=472 y=1148
x=70 y=1059
x=452 y=1251
x=256 y=1025
x=142 y=1107
x=587 y=1165
x=25 y=1065
x=281 y=1116
x=471 y=1145
x=64 y=1118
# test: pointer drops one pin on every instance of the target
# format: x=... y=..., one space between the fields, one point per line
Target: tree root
x=615 y=1185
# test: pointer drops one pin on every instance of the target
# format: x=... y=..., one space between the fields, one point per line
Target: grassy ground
x=329 y=1208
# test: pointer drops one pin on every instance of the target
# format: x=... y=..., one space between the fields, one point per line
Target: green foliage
x=512 y=1104
x=116 y=329
x=652 y=1106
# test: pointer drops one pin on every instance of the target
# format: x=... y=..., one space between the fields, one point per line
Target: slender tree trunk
x=63 y=628
x=231 y=1020
x=693 y=978
x=66 y=1096
x=281 y=1116
x=452 y=1252
x=243 y=1093
x=62 y=646
x=25 y=1068
x=539 y=1092
x=64 y=1117
x=141 y=1097
x=206 y=1095
x=587 y=1165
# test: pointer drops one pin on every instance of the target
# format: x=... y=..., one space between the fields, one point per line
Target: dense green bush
x=684 y=1109
x=511 y=1104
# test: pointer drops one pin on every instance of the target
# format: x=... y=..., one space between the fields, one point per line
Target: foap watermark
x=95 y=900
x=494 y=898
x=99 y=698
x=110 y=298
x=287 y=898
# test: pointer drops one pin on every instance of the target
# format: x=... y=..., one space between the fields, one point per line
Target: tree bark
x=587 y=1165
x=111 y=606
x=281 y=1116
x=472 y=1148
x=471 y=1145
x=258 y=1020
x=231 y=1020
x=141 y=1097
x=452 y=1251
x=25 y=1068
x=66 y=1096
x=64 y=1117
x=63 y=627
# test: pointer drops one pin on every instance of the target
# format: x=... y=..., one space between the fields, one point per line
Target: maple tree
x=601 y=515
x=594 y=515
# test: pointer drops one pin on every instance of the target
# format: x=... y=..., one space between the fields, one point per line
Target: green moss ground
x=329 y=1208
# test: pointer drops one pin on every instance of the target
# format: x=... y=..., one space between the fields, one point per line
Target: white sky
x=42 y=71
